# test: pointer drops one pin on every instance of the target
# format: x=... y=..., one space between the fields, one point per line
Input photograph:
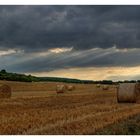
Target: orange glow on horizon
x=92 y=73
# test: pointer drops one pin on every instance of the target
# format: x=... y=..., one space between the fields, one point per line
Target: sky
x=88 y=42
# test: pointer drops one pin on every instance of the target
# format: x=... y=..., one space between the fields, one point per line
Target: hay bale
x=127 y=92
x=138 y=87
x=98 y=85
x=105 y=87
x=60 y=88
x=70 y=87
x=5 y=91
x=116 y=86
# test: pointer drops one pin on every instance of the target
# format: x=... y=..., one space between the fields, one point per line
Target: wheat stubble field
x=35 y=108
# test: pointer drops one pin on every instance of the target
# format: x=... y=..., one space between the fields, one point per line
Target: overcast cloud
x=49 y=38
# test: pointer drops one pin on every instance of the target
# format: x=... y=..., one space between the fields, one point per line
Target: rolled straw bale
x=138 y=88
x=116 y=86
x=60 y=88
x=70 y=87
x=127 y=92
x=5 y=91
x=105 y=87
x=98 y=85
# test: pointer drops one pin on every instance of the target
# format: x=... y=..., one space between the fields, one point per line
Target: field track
x=35 y=108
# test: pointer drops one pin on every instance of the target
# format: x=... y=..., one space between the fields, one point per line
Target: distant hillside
x=4 y=75
x=16 y=77
x=67 y=80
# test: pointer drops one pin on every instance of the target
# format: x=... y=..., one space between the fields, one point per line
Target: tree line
x=4 y=75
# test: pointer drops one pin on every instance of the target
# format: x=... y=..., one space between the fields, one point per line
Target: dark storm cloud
x=34 y=28
x=97 y=34
x=85 y=58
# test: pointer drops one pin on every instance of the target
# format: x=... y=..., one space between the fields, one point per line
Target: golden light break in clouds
x=91 y=73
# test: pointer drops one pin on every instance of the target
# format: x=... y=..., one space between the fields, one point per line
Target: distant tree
x=133 y=81
x=106 y=82
x=3 y=71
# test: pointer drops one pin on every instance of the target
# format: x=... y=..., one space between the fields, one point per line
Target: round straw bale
x=60 y=88
x=116 y=86
x=98 y=85
x=5 y=91
x=70 y=87
x=105 y=87
x=138 y=88
x=127 y=92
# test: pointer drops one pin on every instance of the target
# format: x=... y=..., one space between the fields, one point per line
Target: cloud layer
x=34 y=28
x=49 y=38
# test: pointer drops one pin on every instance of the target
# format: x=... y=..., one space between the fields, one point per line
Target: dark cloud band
x=34 y=28
x=100 y=36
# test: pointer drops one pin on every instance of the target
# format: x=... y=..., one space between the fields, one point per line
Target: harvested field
x=130 y=126
x=35 y=108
